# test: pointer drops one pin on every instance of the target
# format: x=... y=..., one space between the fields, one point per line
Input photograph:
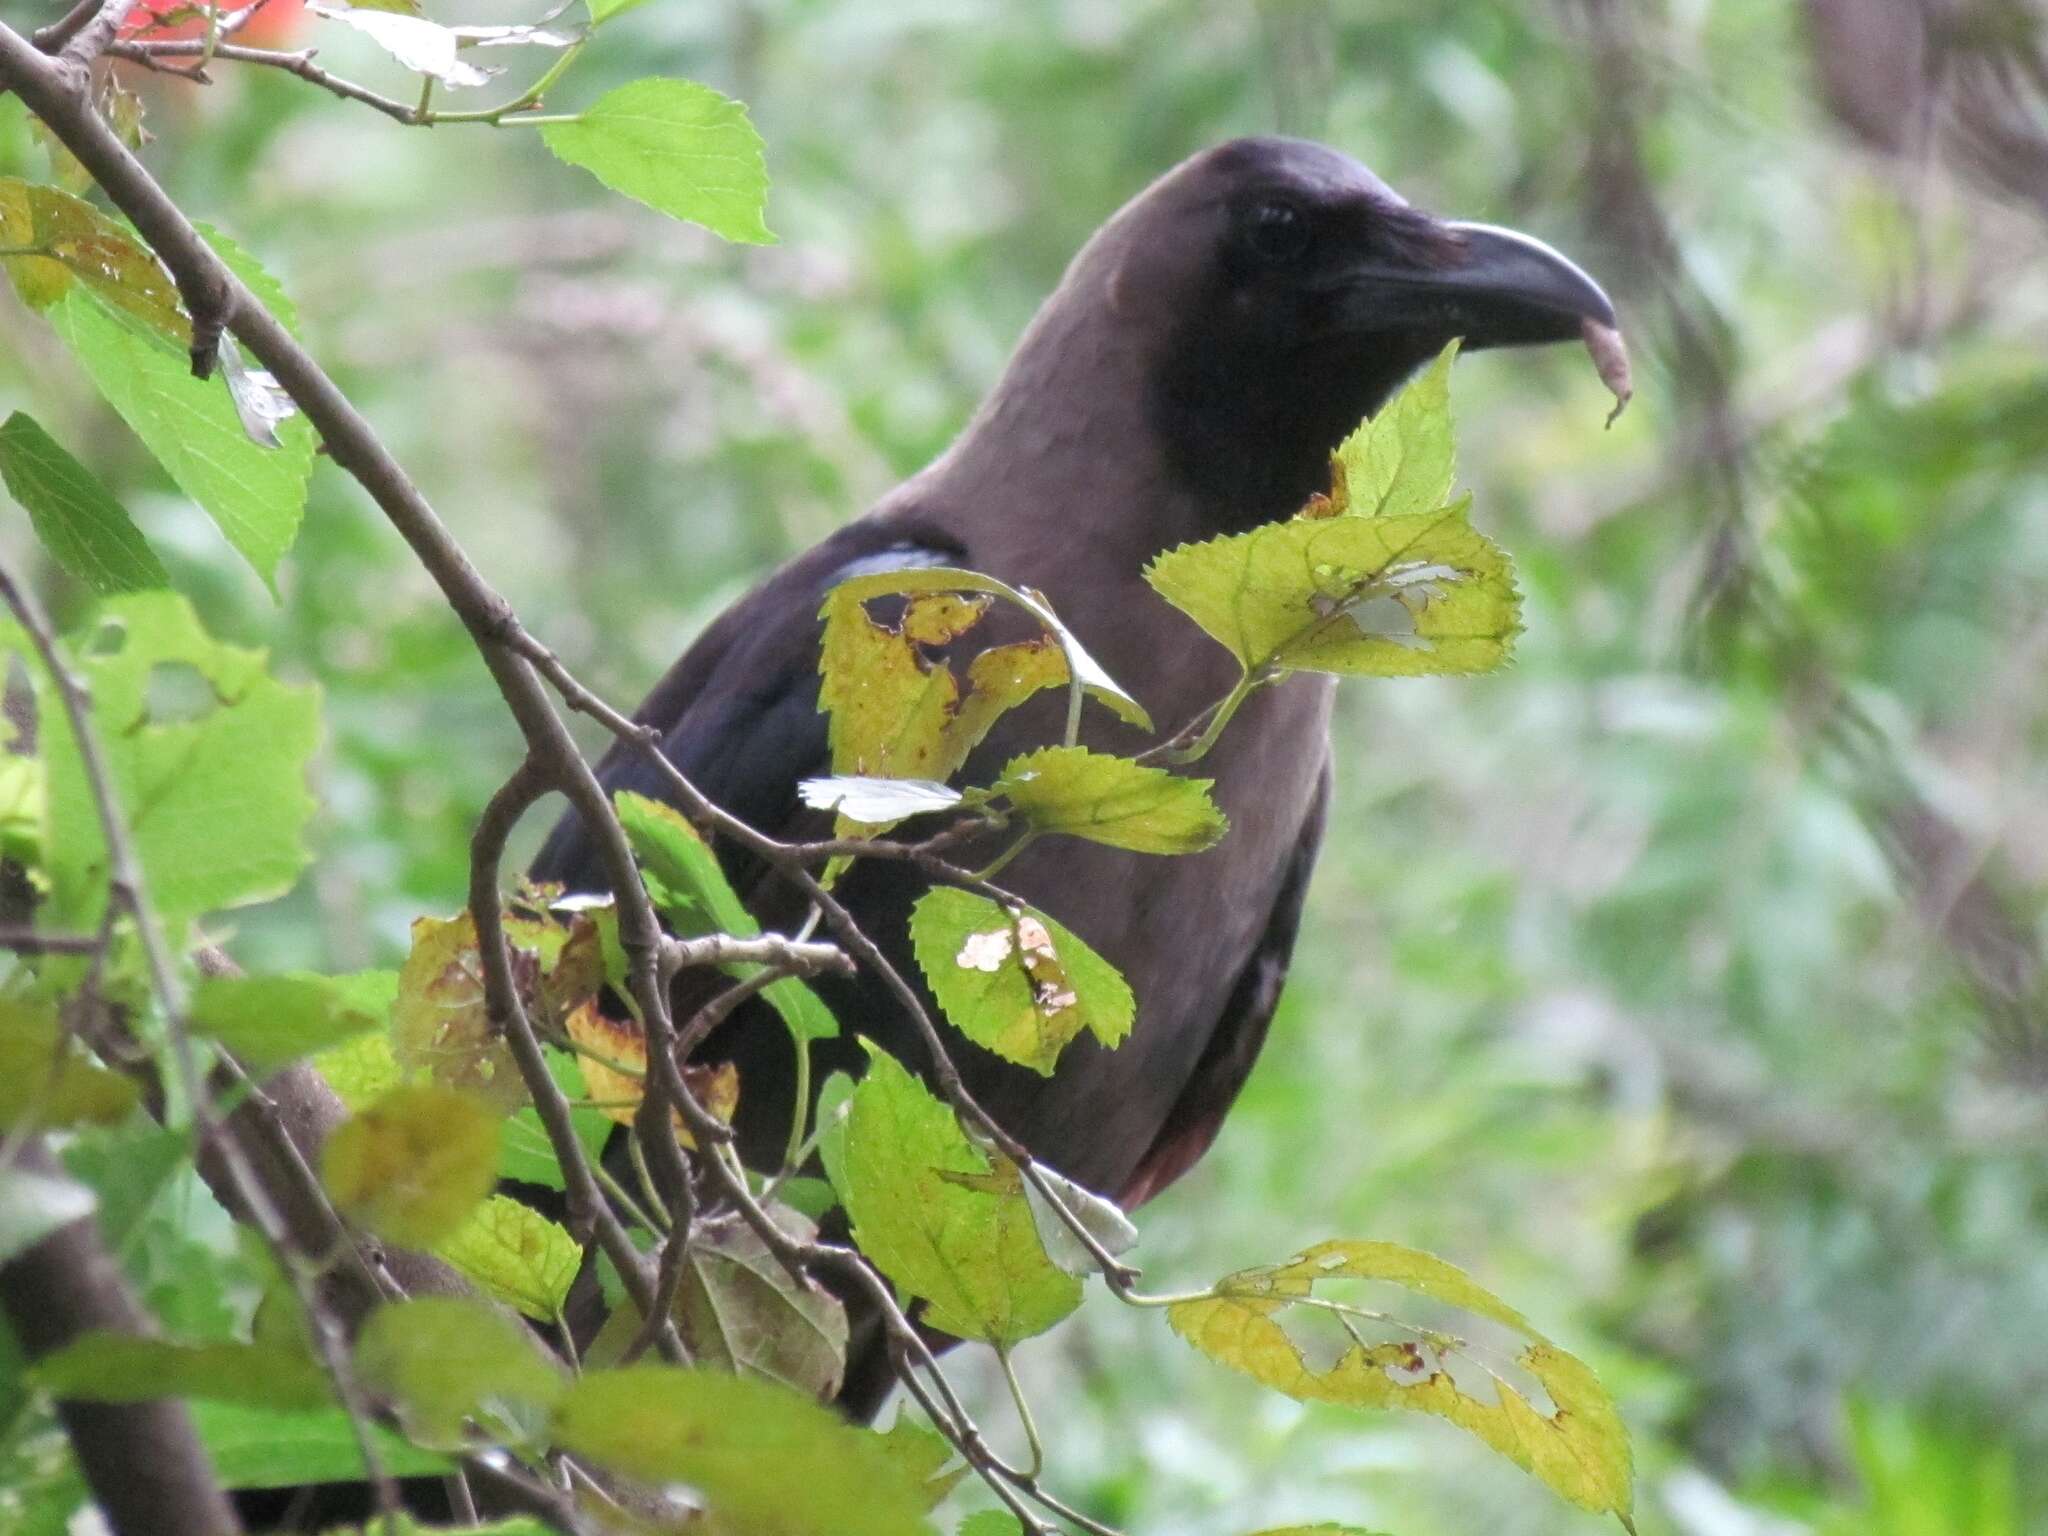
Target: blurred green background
x=1683 y=982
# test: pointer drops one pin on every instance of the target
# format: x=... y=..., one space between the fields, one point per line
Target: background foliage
x=1682 y=982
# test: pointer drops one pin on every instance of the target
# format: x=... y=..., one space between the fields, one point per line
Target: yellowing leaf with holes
x=897 y=710
x=1577 y=1446
x=677 y=146
x=441 y=1025
x=446 y=1359
x=1401 y=595
x=49 y=239
x=1402 y=460
x=1015 y=981
x=938 y=1216
x=763 y=1458
x=1095 y=680
x=517 y=1255
x=613 y=1057
x=208 y=754
x=1111 y=800
x=413 y=1165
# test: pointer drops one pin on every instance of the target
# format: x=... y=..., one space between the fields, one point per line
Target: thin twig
x=588 y=1209
x=150 y=51
x=27 y=941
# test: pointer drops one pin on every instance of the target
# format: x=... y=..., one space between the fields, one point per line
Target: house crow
x=1189 y=377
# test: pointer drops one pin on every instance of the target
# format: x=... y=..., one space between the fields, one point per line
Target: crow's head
x=1282 y=291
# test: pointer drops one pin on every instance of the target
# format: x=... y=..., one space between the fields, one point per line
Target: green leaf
x=938 y=1218
x=1095 y=680
x=263 y=1448
x=104 y=1367
x=1015 y=982
x=446 y=1359
x=517 y=1255
x=33 y=1205
x=1395 y=596
x=85 y=529
x=1403 y=460
x=208 y=754
x=602 y=11
x=128 y=1167
x=738 y=1310
x=413 y=1166
x=47 y=1079
x=267 y=1021
x=1111 y=800
x=922 y=1454
x=677 y=146
x=361 y=1071
x=53 y=240
x=524 y=1150
x=1325 y=1528
x=991 y=1522
x=686 y=883
x=192 y=426
x=683 y=876
x=255 y=494
x=1580 y=1448
x=763 y=1457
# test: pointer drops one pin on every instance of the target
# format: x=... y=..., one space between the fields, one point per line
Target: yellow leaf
x=413 y=1165
x=1579 y=1447
x=613 y=1056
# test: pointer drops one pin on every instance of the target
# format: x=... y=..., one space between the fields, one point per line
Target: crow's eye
x=1278 y=231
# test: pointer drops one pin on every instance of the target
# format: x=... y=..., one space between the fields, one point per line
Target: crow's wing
x=1240 y=1031
x=738 y=714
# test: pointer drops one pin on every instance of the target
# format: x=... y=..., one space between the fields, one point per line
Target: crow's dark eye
x=1278 y=231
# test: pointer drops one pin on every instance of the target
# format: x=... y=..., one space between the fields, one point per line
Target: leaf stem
x=1037 y=1447
x=795 y=1147
x=996 y=865
x=1248 y=684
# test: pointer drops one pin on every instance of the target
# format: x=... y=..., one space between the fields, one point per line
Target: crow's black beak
x=1493 y=287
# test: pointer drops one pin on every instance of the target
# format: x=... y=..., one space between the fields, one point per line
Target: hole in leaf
x=1319 y=1335
x=1386 y=617
x=1477 y=1353
x=177 y=694
x=109 y=638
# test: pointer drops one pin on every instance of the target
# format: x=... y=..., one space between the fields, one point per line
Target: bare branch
x=787 y=955
x=588 y=1209
x=300 y=63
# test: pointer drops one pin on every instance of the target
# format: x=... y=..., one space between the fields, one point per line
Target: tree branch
x=144 y=1462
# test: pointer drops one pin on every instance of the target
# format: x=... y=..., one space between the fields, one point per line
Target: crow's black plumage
x=1202 y=356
